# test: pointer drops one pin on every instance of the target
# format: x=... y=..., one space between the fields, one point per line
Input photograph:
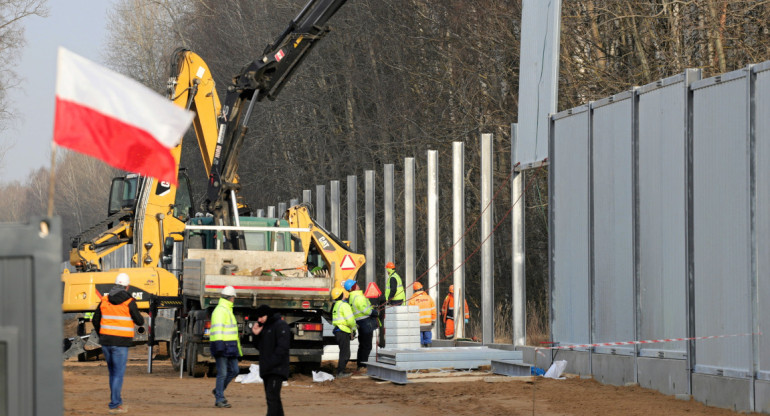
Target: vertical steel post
x=487 y=238
x=335 y=207
x=410 y=252
x=281 y=209
x=307 y=196
x=271 y=211
x=352 y=190
x=458 y=229
x=433 y=228
x=389 y=213
x=293 y=202
x=518 y=250
x=261 y=213
x=320 y=205
x=370 y=237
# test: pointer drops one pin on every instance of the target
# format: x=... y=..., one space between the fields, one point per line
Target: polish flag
x=112 y=117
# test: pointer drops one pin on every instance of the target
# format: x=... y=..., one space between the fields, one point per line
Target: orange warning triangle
x=372 y=291
x=347 y=263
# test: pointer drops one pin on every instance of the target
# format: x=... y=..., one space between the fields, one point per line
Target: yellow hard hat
x=337 y=293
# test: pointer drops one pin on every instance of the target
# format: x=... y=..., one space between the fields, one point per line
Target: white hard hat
x=228 y=291
x=122 y=280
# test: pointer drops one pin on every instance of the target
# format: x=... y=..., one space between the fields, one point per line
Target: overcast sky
x=78 y=25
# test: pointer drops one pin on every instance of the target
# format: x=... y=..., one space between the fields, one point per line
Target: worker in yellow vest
x=344 y=329
x=427 y=313
x=225 y=344
x=394 y=286
x=114 y=321
x=366 y=319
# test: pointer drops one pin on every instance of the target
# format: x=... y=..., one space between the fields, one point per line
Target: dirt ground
x=86 y=392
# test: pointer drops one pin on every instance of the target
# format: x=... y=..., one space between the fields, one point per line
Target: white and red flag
x=112 y=117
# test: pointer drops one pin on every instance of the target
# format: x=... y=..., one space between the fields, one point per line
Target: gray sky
x=78 y=25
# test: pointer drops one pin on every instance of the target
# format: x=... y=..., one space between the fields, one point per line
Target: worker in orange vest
x=427 y=313
x=114 y=321
x=447 y=313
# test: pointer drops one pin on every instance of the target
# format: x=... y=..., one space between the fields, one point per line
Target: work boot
x=222 y=404
x=118 y=410
x=343 y=375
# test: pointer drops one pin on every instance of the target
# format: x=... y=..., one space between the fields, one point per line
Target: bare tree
x=12 y=41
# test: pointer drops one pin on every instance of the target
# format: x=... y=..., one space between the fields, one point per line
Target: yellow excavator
x=147 y=219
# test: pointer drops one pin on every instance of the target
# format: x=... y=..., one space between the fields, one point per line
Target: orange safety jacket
x=448 y=308
x=116 y=319
x=427 y=307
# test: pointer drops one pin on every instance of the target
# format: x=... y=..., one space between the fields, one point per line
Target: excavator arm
x=263 y=78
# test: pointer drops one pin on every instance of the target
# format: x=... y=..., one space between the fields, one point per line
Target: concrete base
x=537 y=357
x=762 y=396
x=724 y=392
x=617 y=370
x=666 y=376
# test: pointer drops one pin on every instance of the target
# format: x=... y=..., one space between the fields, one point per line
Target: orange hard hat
x=451 y=288
x=390 y=265
x=417 y=286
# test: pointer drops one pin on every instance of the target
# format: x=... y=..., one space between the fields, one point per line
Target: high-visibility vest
x=361 y=306
x=224 y=327
x=400 y=294
x=342 y=317
x=116 y=319
x=427 y=307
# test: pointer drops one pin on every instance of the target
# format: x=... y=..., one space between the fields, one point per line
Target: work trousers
x=366 y=329
x=227 y=370
x=116 y=358
x=273 y=394
x=343 y=340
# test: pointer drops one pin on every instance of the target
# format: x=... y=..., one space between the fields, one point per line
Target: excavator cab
x=123 y=193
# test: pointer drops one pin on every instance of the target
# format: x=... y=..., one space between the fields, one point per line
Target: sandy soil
x=86 y=392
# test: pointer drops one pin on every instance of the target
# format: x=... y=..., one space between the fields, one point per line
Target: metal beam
x=487 y=238
x=352 y=190
x=433 y=228
x=410 y=252
x=518 y=250
x=370 y=237
x=389 y=211
x=335 y=207
x=458 y=239
x=320 y=205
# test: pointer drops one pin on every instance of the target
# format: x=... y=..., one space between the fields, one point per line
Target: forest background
x=393 y=79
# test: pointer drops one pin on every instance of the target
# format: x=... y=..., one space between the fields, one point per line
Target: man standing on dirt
x=344 y=329
x=225 y=344
x=366 y=319
x=272 y=341
x=114 y=321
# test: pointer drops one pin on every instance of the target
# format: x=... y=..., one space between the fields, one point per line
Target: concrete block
x=724 y=392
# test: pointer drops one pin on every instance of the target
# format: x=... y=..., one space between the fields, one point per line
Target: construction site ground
x=478 y=392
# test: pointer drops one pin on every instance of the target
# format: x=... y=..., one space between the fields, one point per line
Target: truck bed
x=205 y=275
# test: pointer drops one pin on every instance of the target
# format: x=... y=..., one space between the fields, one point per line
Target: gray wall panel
x=721 y=222
x=662 y=221
x=762 y=137
x=613 y=286
x=569 y=210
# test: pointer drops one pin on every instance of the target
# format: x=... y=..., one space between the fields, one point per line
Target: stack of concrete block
x=402 y=327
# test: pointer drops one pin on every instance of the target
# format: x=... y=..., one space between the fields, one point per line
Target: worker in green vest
x=225 y=344
x=344 y=329
x=394 y=286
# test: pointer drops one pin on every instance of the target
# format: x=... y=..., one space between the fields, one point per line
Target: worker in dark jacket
x=272 y=341
x=114 y=321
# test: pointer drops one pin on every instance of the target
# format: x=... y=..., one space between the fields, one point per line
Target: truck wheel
x=194 y=368
x=175 y=350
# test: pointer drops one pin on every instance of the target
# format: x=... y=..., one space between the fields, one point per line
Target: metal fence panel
x=613 y=247
x=762 y=137
x=30 y=318
x=569 y=226
x=722 y=221
x=662 y=217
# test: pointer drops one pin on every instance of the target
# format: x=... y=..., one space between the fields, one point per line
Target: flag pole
x=51 y=179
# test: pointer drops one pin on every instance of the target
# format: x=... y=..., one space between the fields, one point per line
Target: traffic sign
x=347 y=263
x=372 y=291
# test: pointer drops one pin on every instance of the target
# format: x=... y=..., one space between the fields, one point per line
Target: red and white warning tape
x=647 y=341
